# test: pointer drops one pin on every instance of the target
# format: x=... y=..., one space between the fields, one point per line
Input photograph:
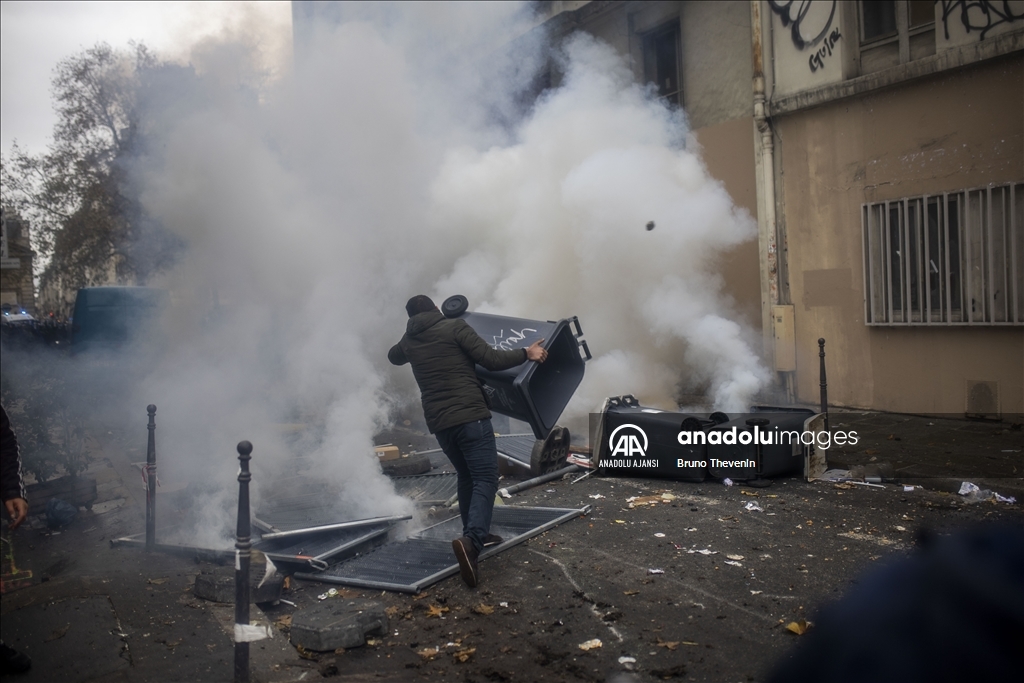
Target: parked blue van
x=109 y=318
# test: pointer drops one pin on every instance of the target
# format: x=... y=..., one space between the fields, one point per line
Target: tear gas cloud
x=397 y=159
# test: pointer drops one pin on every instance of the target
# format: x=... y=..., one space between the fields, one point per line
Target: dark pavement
x=731 y=577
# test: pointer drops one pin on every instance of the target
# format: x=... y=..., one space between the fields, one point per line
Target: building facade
x=16 y=259
x=881 y=147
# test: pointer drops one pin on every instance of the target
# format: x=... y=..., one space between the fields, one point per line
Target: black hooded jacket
x=443 y=353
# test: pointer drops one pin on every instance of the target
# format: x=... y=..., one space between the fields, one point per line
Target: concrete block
x=218 y=585
x=337 y=623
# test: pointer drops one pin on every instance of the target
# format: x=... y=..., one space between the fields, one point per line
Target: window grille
x=951 y=259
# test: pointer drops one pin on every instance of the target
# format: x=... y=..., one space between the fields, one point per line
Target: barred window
x=950 y=259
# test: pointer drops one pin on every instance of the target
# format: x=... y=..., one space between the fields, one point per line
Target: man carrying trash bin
x=443 y=353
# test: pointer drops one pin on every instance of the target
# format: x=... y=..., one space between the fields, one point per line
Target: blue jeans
x=472 y=450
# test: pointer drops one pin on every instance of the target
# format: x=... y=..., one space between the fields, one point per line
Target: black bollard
x=824 y=384
x=242 y=553
x=151 y=480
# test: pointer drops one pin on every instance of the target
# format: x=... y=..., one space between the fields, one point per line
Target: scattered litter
x=756 y=592
x=692 y=528
x=596 y=496
x=799 y=627
x=659 y=535
x=735 y=557
x=436 y=610
x=504 y=493
x=900 y=528
x=973 y=494
x=688 y=642
x=655 y=571
x=627 y=661
x=835 y=475
x=288 y=602
x=429 y=653
x=631 y=592
x=620 y=521
x=908 y=488
x=464 y=655
x=592 y=644
x=703 y=551
x=734 y=564
x=697 y=604
x=578 y=463
x=503 y=604
x=753 y=507
x=483 y=609
x=549 y=490
x=867 y=483
x=156 y=582
x=668 y=496
x=668 y=645
x=967 y=488
x=727 y=481
x=332 y=593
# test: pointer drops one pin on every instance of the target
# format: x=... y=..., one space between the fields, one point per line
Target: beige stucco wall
x=728 y=152
x=947 y=132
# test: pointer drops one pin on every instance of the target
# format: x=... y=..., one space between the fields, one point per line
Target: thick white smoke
x=386 y=166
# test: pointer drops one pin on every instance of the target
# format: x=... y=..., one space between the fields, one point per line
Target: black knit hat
x=420 y=303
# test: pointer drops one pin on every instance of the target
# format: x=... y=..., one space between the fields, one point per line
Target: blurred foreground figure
x=444 y=353
x=952 y=611
x=12 y=487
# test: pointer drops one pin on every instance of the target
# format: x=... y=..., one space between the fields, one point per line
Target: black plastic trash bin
x=535 y=393
x=782 y=428
x=657 y=433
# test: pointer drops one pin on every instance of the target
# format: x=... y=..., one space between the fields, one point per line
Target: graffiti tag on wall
x=978 y=15
x=811 y=22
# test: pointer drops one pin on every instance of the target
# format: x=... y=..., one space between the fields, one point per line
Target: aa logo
x=628 y=440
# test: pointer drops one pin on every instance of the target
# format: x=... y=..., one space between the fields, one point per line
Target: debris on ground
x=753 y=507
x=592 y=644
x=655 y=571
x=972 y=493
x=799 y=627
x=462 y=656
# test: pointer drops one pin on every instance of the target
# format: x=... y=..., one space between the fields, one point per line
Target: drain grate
x=411 y=565
x=428 y=489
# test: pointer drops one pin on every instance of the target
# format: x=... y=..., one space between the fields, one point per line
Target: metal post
x=824 y=384
x=242 y=547
x=151 y=480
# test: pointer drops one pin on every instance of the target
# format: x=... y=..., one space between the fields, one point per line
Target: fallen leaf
x=436 y=610
x=59 y=633
x=464 y=655
x=799 y=627
x=392 y=611
x=420 y=596
x=483 y=609
x=668 y=645
x=592 y=644
x=750 y=493
x=306 y=654
x=374 y=641
x=287 y=583
x=429 y=653
x=286 y=620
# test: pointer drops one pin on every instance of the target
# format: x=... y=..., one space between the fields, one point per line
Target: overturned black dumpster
x=631 y=440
